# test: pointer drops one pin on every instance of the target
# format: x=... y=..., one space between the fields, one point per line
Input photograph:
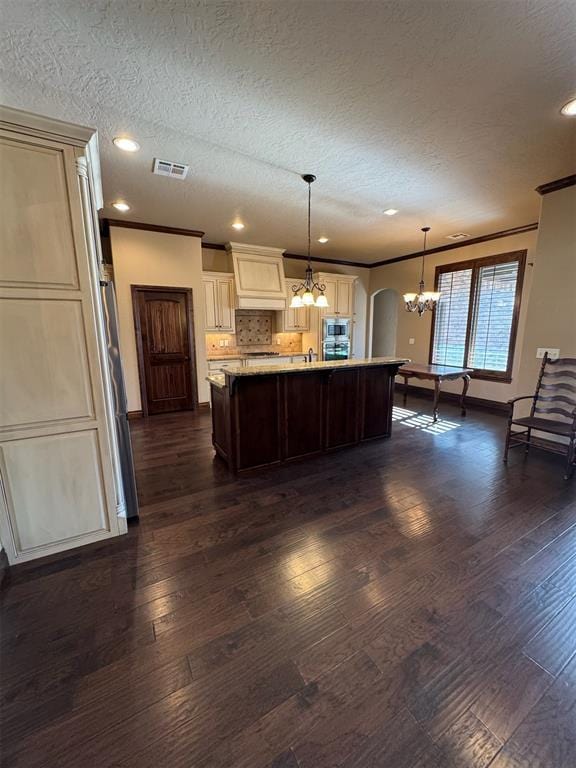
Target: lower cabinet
x=303 y=414
x=265 y=419
x=343 y=407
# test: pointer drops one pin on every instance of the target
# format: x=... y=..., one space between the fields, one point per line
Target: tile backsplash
x=283 y=343
x=253 y=326
x=254 y=333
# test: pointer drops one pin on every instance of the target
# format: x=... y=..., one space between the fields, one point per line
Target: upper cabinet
x=219 y=302
x=339 y=292
x=293 y=320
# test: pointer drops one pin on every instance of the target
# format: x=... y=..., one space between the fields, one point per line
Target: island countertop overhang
x=324 y=365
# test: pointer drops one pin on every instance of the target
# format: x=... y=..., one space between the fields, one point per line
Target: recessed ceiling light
x=126 y=144
x=238 y=225
x=458 y=236
x=391 y=212
x=569 y=109
x=322 y=239
x=121 y=206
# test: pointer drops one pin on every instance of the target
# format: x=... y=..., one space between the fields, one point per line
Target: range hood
x=259 y=276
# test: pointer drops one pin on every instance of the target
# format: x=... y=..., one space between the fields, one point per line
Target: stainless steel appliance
x=120 y=403
x=336 y=338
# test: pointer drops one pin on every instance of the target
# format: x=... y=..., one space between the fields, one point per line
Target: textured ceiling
x=447 y=111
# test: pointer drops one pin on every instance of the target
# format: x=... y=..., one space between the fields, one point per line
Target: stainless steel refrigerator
x=120 y=403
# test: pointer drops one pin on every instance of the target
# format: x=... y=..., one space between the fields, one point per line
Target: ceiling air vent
x=458 y=236
x=167 y=168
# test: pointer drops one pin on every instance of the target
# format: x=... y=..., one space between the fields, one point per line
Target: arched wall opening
x=384 y=316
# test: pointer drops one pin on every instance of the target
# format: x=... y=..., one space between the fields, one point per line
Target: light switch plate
x=411 y=341
x=553 y=354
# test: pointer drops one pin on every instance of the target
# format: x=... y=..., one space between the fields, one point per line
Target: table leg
x=466 y=379
x=436 y=397
x=405 y=389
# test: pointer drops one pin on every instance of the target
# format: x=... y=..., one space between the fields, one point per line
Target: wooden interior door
x=165 y=340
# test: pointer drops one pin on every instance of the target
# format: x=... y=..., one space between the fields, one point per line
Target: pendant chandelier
x=423 y=300
x=303 y=293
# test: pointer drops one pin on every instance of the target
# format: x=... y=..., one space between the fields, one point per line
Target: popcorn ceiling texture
x=447 y=111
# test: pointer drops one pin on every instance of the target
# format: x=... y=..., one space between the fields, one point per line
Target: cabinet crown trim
x=222 y=275
x=260 y=250
x=335 y=276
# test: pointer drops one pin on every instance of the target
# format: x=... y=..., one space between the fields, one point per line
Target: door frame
x=135 y=290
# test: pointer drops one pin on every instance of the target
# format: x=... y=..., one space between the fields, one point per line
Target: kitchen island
x=266 y=415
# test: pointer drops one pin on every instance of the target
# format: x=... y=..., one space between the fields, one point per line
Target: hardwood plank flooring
x=408 y=603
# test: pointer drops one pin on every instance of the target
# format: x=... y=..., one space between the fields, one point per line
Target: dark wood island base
x=269 y=415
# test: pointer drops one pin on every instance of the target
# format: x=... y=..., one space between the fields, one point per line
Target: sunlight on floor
x=422 y=421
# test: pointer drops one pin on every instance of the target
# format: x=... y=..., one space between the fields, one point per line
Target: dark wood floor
x=405 y=604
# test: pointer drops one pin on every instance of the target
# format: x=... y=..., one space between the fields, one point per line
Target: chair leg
x=507 y=444
x=570 y=460
x=528 y=435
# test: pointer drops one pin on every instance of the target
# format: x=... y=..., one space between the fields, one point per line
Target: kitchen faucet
x=310 y=355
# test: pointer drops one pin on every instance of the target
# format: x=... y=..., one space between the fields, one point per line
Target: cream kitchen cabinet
x=219 y=302
x=219 y=365
x=339 y=292
x=293 y=320
x=60 y=482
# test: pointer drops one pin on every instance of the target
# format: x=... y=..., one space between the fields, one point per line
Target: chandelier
x=423 y=300
x=303 y=293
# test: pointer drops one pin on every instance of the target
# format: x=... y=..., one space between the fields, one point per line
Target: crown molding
x=322 y=259
x=296 y=256
x=45 y=127
x=554 y=186
x=453 y=246
x=127 y=224
x=251 y=250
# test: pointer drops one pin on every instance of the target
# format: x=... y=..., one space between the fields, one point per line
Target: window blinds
x=492 y=316
x=451 y=317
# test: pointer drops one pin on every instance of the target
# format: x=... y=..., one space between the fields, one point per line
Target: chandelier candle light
x=423 y=300
x=303 y=293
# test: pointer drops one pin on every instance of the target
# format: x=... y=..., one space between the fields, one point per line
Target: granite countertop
x=260 y=370
x=218 y=379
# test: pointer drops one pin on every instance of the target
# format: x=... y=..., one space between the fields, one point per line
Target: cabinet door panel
x=226 y=305
x=54 y=490
x=377 y=405
x=303 y=418
x=256 y=421
x=210 y=303
x=342 y=408
x=331 y=295
x=345 y=297
x=36 y=238
x=45 y=373
x=303 y=319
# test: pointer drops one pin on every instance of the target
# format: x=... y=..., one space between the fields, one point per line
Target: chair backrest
x=556 y=389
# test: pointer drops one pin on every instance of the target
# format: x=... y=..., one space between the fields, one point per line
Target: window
x=476 y=317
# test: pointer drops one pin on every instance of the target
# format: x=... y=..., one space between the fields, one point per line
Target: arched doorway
x=384 y=322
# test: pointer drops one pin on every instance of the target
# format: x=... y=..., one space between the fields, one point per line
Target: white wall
x=551 y=320
x=403 y=276
x=155 y=258
x=385 y=323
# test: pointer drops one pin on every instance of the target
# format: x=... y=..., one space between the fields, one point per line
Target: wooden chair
x=555 y=394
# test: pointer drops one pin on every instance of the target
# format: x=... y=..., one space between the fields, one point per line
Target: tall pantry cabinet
x=60 y=483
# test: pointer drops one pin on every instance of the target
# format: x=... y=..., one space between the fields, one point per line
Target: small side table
x=437 y=374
